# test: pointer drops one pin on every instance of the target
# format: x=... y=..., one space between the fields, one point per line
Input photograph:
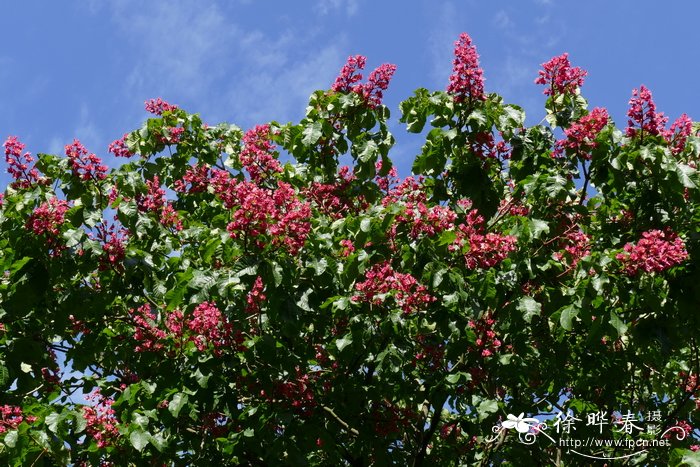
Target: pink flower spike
x=466 y=81
x=349 y=74
x=560 y=77
x=158 y=106
x=642 y=114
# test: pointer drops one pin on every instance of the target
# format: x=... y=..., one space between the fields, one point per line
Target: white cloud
x=503 y=20
x=229 y=71
x=325 y=7
x=441 y=43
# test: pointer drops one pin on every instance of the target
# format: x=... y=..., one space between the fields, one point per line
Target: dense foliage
x=231 y=297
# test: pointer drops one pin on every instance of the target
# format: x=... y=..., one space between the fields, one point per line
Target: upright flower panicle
x=261 y=211
x=46 y=220
x=119 y=148
x=485 y=250
x=350 y=74
x=257 y=154
x=581 y=135
x=20 y=165
x=155 y=201
x=560 y=77
x=377 y=82
x=372 y=91
x=158 y=106
x=466 y=80
x=255 y=297
x=85 y=165
x=643 y=118
x=101 y=421
x=679 y=132
x=208 y=326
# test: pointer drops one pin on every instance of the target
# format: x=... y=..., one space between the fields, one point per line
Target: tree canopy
x=242 y=297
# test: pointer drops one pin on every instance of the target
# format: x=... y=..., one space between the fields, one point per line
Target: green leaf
x=568 y=314
x=159 y=442
x=177 y=403
x=529 y=307
x=688 y=176
x=538 y=227
x=139 y=439
x=73 y=237
x=365 y=224
x=11 y=438
x=690 y=458
x=486 y=408
x=618 y=324
x=367 y=151
x=53 y=420
x=343 y=342
x=80 y=422
x=202 y=380
x=312 y=133
x=4 y=374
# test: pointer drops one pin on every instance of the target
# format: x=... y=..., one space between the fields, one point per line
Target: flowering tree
x=207 y=302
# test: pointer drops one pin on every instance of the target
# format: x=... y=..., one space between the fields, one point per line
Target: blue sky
x=83 y=68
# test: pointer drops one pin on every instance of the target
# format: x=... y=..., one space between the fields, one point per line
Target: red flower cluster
x=381 y=281
x=432 y=353
x=466 y=80
x=146 y=332
x=450 y=431
x=679 y=132
x=197 y=177
x=656 y=251
x=209 y=327
x=257 y=154
x=46 y=220
x=391 y=419
x=642 y=115
x=426 y=221
x=101 y=420
x=85 y=166
x=348 y=248
x=48 y=217
x=682 y=425
x=255 y=297
x=689 y=382
x=299 y=392
x=11 y=417
x=274 y=213
x=487 y=342
x=205 y=327
x=18 y=164
x=484 y=146
x=373 y=90
x=119 y=148
x=580 y=136
x=377 y=82
x=560 y=76
x=485 y=249
x=333 y=199
x=577 y=245
x=172 y=135
x=349 y=75
x=158 y=106
x=154 y=201
x=113 y=240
